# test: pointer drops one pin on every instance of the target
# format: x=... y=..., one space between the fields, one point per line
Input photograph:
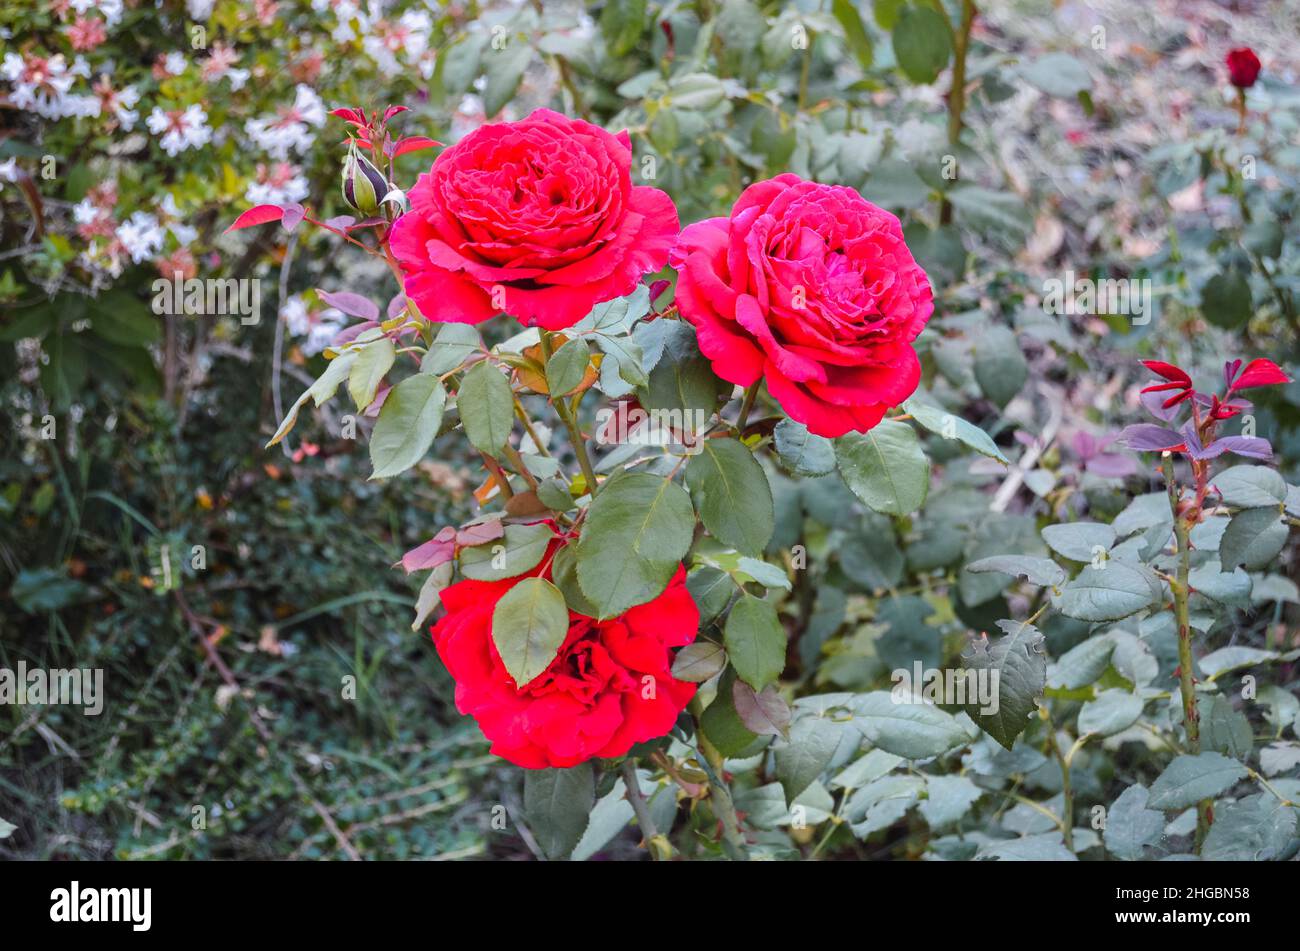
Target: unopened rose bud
x=363 y=184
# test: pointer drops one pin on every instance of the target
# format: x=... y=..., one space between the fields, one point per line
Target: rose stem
x=567 y=414
x=746 y=406
x=1181 y=591
x=957 y=93
x=653 y=840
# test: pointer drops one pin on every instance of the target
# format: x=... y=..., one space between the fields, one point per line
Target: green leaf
x=373 y=361
x=711 y=589
x=36 y=590
x=866 y=769
x=922 y=39
x=407 y=424
x=487 y=407
x=1226 y=300
x=698 y=662
x=1039 y=571
x=324 y=388
x=1079 y=541
x=1112 y=712
x=951 y=426
x=807 y=753
x=983 y=208
x=529 y=625
x=1020 y=663
x=1223 y=729
x=696 y=91
x=504 y=69
x=802 y=452
x=682 y=382
x=1130 y=825
x=564 y=573
x=1112 y=591
x=1253 y=539
x=637 y=531
x=854 y=32
x=948 y=798
x=1255 y=829
x=885 y=467
x=1058 y=74
x=119 y=318
x=1248 y=487
x=756 y=641
x=430 y=593
x=450 y=348
x=567 y=367
x=910 y=730
x=721 y=724
x=1189 y=779
x=1000 y=367
x=557 y=803
x=732 y=495
x=1232 y=658
x=520 y=550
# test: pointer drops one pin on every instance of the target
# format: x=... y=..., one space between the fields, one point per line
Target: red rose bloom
x=542 y=211
x=812 y=287
x=609 y=688
x=1243 y=67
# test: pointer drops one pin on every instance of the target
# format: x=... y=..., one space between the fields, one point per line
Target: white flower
x=174 y=62
x=85 y=212
x=80 y=67
x=200 y=9
x=141 y=236
x=290 y=130
x=181 y=130
x=237 y=77
x=9 y=170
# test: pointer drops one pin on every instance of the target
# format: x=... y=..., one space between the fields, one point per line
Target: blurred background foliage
x=1098 y=139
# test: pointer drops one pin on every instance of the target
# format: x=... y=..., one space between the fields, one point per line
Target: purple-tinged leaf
x=396 y=305
x=377 y=404
x=436 y=551
x=1147 y=437
x=1253 y=447
x=480 y=533
x=1193 y=444
x=348 y=334
x=1110 y=465
x=340 y=223
x=1230 y=372
x=293 y=215
x=354 y=305
x=1154 y=404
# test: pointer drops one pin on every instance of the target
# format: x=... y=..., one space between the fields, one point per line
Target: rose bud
x=1243 y=67
x=364 y=186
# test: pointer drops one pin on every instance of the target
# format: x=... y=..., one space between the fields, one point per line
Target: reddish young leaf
x=1260 y=373
x=257 y=215
x=413 y=143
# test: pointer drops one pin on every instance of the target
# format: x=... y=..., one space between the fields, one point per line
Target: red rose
x=541 y=211
x=1243 y=67
x=609 y=687
x=812 y=287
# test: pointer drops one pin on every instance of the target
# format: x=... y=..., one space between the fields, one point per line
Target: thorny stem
x=1181 y=592
x=654 y=842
